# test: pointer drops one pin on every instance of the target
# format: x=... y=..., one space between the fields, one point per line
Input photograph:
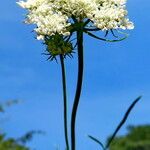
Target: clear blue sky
x=115 y=74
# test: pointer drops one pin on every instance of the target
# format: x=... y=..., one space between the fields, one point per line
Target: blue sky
x=115 y=74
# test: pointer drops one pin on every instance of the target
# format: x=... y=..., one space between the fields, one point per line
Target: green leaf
x=97 y=141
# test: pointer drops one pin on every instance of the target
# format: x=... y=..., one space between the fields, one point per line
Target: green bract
x=56 y=45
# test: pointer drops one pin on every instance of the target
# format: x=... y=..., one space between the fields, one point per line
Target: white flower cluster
x=54 y=16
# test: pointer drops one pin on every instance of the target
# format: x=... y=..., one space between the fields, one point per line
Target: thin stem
x=78 y=89
x=65 y=101
x=90 y=29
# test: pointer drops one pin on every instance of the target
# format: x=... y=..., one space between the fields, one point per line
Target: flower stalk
x=78 y=89
x=65 y=101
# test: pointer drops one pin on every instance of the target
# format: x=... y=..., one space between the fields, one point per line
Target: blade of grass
x=122 y=122
x=97 y=141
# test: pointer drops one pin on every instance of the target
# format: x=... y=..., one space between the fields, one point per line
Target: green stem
x=65 y=101
x=78 y=89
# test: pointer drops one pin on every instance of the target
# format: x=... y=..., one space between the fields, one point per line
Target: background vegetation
x=137 y=138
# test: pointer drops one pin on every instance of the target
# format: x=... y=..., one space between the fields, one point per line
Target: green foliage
x=10 y=144
x=138 y=138
x=29 y=136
